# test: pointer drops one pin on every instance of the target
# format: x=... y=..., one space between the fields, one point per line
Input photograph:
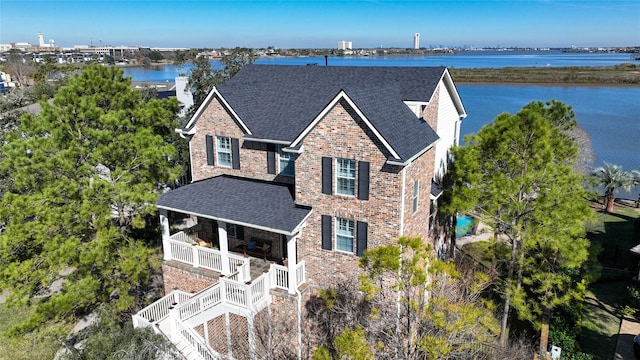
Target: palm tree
x=636 y=175
x=612 y=177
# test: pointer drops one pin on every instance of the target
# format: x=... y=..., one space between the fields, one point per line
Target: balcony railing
x=183 y=248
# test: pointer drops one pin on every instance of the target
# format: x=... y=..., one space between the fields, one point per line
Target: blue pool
x=465 y=225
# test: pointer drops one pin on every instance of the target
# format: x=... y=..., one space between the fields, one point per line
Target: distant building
x=344 y=45
x=416 y=41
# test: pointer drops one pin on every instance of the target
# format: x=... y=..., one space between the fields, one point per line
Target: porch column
x=164 y=228
x=292 y=262
x=224 y=247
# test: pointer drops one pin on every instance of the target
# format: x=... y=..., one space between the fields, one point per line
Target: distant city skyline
x=321 y=24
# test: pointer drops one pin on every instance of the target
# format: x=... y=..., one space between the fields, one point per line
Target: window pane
x=346 y=176
x=224 y=159
x=223 y=145
x=346 y=186
x=344 y=243
x=416 y=192
x=344 y=234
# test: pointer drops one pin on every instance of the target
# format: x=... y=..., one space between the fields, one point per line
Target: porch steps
x=181 y=345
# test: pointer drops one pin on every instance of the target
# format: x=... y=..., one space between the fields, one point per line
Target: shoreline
x=622 y=75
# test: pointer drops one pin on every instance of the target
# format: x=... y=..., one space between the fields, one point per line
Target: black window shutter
x=327 y=175
x=235 y=153
x=326 y=232
x=209 y=145
x=239 y=232
x=363 y=180
x=271 y=158
x=361 y=229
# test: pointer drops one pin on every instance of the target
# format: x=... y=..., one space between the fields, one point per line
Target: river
x=609 y=114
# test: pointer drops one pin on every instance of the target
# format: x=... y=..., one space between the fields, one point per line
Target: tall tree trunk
x=505 y=320
x=544 y=330
x=507 y=298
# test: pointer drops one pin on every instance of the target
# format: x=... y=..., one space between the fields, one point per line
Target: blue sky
x=321 y=24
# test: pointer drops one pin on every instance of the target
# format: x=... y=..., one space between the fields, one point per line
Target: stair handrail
x=193 y=340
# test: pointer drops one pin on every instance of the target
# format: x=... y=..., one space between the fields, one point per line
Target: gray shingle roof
x=259 y=204
x=278 y=101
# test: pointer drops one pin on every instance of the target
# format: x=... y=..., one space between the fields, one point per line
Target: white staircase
x=176 y=314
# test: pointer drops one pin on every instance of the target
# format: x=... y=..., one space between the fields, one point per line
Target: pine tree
x=86 y=173
x=518 y=174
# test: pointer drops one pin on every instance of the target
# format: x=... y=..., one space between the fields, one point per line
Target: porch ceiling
x=254 y=203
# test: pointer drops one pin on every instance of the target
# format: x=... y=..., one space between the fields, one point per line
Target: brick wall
x=215 y=120
x=177 y=276
x=341 y=134
x=417 y=223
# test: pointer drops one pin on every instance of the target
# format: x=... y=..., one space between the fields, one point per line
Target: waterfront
x=466 y=59
x=609 y=114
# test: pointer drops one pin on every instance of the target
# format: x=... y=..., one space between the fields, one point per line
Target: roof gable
x=189 y=127
x=279 y=102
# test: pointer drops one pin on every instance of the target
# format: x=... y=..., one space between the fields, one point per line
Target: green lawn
x=616 y=234
x=24 y=348
x=601 y=321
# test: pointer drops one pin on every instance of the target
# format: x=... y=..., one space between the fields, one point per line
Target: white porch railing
x=194 y=340
x=279 y=276
x=184 y=237
x=159 y=309
x=183 y=248
x=301 y=273
x=182 y=309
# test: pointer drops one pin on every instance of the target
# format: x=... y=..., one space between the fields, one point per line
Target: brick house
x=297 y=170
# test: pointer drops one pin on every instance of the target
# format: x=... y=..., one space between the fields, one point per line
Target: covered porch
x=239 y=228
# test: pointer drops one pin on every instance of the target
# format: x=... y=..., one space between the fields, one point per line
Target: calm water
x=475 y=59
x=611 y=115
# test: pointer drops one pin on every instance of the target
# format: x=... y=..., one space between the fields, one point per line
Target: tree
x=518 y=174
x=612 y=178
x=408 y=305
x=156 y=56
x=86 y=172
x=203 y=77
x=110 y=338
x=20 y=69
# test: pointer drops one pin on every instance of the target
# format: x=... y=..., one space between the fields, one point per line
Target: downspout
x=398 y=294
x=299 y=295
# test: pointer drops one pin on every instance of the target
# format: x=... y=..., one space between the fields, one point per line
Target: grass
x=623 y=74
x=601 y=318
x=27 y=347
x=615 y=234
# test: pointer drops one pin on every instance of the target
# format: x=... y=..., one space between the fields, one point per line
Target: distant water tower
x=416 y=41
x=41 y=40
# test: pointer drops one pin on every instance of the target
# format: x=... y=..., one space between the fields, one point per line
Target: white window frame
x=223 y=150
x=286 y=157
x=348 y=177
x=349 y=234
x=416 y=195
